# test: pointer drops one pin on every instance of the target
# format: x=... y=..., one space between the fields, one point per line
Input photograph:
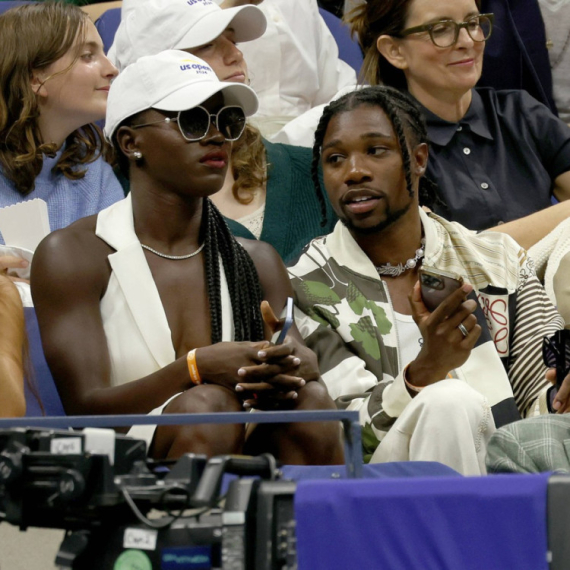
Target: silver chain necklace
x=396 y=270
x=173 y=257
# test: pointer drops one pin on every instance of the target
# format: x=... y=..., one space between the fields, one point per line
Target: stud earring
x=138 y=155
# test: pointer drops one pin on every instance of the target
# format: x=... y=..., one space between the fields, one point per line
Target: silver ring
x=462 y=329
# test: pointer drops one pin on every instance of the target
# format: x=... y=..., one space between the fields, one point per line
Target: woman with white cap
x=268 y=191
x=165 y=301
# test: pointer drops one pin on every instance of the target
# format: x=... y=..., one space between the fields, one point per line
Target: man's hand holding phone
x=436 y=285
x=446 y=344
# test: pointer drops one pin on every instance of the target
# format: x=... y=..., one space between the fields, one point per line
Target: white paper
x=140 y=539
x=21 y=272
x=65 y=445
x=25 y=224
x=26 y=294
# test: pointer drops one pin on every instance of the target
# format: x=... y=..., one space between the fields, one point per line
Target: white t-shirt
x=409 y=338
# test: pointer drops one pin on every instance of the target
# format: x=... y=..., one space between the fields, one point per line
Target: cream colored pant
x=449 y=422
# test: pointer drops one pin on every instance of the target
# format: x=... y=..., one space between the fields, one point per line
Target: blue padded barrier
x=433 y=523
x=348 y=419
x=396 y=469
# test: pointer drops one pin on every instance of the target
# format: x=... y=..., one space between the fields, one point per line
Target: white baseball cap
x=157 y=25
x=170 y=81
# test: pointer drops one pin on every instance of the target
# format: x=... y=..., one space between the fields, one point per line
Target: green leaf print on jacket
x=364 y=332
x=358 y=302
x=355 y=298
x=382 y=322
x=324 y=316
x=318 y=293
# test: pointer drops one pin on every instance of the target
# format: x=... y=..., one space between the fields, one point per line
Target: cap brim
x=248 y=23
x=192 y=96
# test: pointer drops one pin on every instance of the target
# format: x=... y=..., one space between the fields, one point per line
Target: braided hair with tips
x=241 y=275
x=409 y=126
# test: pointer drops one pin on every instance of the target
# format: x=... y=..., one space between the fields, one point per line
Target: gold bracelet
x=193 y=368
x=411 y=386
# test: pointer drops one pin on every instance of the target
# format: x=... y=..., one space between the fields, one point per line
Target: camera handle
x=72 y=546
x=206 y=495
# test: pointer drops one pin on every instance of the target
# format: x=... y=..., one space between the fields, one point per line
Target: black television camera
x=122 y=510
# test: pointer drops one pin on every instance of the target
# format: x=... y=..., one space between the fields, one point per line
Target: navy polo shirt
x=499 y=162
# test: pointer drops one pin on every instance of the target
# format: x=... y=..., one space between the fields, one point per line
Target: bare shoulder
x=270 y=268
x=262 y=253
x=71 y=255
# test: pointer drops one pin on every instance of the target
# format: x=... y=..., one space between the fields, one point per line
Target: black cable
x=161 y=523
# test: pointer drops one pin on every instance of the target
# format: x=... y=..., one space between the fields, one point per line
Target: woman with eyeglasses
x=152 y=306
x=496 y=156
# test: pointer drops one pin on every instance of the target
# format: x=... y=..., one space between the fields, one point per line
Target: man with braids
x=152 y=306
x=428 y=385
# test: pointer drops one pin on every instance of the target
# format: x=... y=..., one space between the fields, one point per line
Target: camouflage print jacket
x=346 y=316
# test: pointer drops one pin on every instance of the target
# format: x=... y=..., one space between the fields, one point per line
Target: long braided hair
x=241 y=275
x=408 y=123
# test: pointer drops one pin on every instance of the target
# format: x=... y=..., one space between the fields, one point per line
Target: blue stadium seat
x=42 y=378
x=7 y=4
x=349 y=50
x=107 y=25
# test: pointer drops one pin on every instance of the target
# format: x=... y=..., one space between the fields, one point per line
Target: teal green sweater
x=292 y=211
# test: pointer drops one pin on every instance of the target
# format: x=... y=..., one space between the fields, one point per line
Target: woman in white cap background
x=54 y=82
x=268 y=192
x=294 y=65
x=165 y=302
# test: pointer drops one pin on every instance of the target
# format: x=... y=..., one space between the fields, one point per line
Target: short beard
x=391 y=217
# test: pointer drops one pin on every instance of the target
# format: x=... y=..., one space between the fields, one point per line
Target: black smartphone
x=556 y=354
x=288 y=321
x=436 y=285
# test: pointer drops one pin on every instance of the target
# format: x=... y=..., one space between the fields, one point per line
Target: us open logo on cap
x=193 y=65
x=204 y=2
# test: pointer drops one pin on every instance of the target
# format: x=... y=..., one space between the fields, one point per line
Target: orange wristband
x=193 y=368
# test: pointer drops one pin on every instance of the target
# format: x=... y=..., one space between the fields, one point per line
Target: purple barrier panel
x=431 y=523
